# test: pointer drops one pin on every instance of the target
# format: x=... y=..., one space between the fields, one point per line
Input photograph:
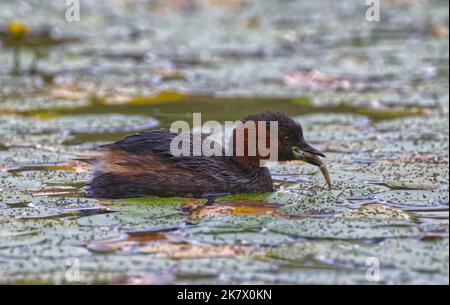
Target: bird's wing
x=157 y=143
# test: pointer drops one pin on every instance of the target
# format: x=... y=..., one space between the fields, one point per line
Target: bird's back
x=142 y=165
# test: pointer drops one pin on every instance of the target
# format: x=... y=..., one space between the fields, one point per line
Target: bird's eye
x=287 y=139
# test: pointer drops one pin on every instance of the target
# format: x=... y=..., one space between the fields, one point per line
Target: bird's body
x=142 y=165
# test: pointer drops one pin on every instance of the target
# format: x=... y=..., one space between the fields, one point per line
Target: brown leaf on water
x=178 y=251
x=439 y=31
x=76 y=90
x=254 y=207
x=79 y=166
x=253 y=22
x=209 y=211
x=316 y=80
x=169 y=74
x=145 y=237
x=227 y=4
x=417 y=157
x=166 y=245
x=82 y=90
x=171 y=5
x=432 y=237
x=118 y=93
x=234 y=207
x=191 y=205
x=411 y=185
x=111 y=246
x=146 y=278
x=253 y=211
x=128 y=243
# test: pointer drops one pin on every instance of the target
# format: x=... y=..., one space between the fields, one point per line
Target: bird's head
x=288 y=141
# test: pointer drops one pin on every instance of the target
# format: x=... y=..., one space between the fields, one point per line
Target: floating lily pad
x=418 y=125
x=307 y=276
x=15 y=124
x=415 y=197
x=79 y=236
x=308 y=207
x=50 y=251
x=412 y=184
x=57 y=177
x=226 y=236
x=377 y=211
x=406 y=254
x=410 y=173
x=65 y=203
x=14 y=197
x=221 y=266
x=320 y=133
x=105 y=123
x=26 y=156
x=335 y=119
x=233 y=223
x=125 y=263
x=136 y=218
x=321 y=195
x=295 y=168
x=14 y=183
x=341 y=228
x=304 y=250
x=34 y=265
x=31 y=212
x=33 y=140
x=392 y=253
x=41 y=103
x=21 y=240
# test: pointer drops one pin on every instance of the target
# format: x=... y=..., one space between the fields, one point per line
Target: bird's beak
x=308 y=154
x=311 y=155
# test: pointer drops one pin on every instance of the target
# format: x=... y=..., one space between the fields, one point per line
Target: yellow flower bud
x=17 y=29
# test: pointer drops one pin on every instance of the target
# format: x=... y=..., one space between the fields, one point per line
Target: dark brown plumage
x=142 y=165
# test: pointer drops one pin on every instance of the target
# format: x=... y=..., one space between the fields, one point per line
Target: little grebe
x=142 y=164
